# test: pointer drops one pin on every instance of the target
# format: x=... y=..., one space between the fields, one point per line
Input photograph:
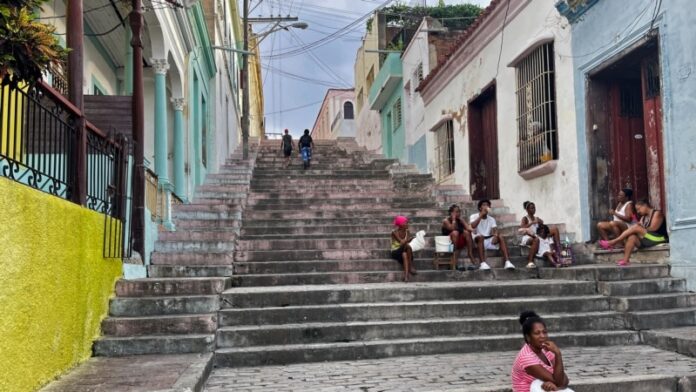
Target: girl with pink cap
x=400 y=249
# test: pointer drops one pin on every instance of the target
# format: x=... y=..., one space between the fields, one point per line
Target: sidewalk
x=614 y=368
x=145 y=373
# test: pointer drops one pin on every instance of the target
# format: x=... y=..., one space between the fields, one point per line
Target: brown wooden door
x=652 y=119
x=628 y=163
x=483 y=147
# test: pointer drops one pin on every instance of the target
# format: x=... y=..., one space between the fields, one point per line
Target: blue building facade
x=635 y=93
x=386 y=96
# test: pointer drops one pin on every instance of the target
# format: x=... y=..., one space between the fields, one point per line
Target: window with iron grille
x=418 y=74
x=536 y=108
x=444 y=150
x=396 y=115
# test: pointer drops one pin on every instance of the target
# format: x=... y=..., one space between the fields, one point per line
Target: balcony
x=386 y=82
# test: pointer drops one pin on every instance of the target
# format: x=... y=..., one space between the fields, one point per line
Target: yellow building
x=367 y=64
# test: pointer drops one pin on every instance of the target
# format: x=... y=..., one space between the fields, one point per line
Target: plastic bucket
x=443 y=244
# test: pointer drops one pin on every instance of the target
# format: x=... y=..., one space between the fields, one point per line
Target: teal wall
x=393 y=140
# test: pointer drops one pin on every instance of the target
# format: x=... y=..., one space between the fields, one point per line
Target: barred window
x=536 y=108
x=444 y=151
x=396 y=115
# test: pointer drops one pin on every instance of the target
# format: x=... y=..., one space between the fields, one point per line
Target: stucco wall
x=368 y=122
x=556 y=194
x=54 y=285
x=615 y=27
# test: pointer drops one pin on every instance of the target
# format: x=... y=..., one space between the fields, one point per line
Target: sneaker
x=472 y=267
x=509 y=265
x=531 y=265
x=461 y=267
x=484 y=266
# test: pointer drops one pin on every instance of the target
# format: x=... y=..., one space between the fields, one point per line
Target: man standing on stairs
x=286 y=146
x=306 y=145
x=486 y=235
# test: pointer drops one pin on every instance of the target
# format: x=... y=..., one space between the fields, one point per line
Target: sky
x=295 y=82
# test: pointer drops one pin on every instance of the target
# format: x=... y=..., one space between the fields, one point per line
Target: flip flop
x=604 y=244
x=623 y=263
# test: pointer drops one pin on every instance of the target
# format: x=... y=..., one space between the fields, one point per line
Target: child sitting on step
x=546 y=249
x=400 y=249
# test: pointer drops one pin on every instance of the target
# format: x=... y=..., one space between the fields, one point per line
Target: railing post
x=75 y=35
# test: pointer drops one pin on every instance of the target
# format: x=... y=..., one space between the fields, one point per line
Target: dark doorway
x=624 y=133
x=483 y=146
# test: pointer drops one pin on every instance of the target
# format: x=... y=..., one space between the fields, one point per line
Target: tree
x=27 y=47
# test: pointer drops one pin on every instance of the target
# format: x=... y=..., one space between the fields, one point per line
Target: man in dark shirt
x=306 y=144
x=286 y=146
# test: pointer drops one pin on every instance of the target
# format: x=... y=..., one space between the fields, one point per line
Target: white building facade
x=500 y=112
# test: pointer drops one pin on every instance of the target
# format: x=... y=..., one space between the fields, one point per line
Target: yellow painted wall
x=256 y=110
x=10 y=131
x=54 y=285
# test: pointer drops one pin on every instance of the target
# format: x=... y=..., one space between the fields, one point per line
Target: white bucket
x=443 y=244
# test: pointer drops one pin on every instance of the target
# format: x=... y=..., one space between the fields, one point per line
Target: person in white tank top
x=622 y=217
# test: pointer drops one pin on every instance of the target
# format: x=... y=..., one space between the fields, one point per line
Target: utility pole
x=138 y=206
x=75 y=37
x=245 y=83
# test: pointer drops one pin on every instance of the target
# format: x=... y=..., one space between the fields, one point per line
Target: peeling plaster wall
x=54 y=285
x=605 y=25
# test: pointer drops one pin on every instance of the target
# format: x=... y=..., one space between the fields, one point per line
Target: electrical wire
x=295 y=108
x=83 y=12
x=502 y=39
x=301 y=78
x=320 y=63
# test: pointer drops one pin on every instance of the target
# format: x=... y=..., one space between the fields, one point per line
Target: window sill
x=540 y=170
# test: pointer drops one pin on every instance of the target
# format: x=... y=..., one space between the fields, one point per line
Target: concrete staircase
x=313 y=280
x=174 y=310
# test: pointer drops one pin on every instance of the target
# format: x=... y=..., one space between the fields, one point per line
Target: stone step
x=654 y=302
x=160 y=325
x=335 y=266
x=372 y=311
x=320 y=184
x=679 y=340
x=153 y=344
x=189 y=271
x=283 y=208
x=169 y=305
x=341 y=232
x=233 y=225
x=657 y=254
x=309 y=202
x=365 y=331
x=360 y=277
x=319 y=352
x=386 y=214
x=607 y=272
x=192 y=258
x=195 y=245
x=210 y=214
x=332 y=254
x=306 y=196
x=323 y=223
x=156 y=287
x=662 y=318
x=379 y=243
x=640 y=287
x=280 y=296
x=196 y=235
x=212 y=188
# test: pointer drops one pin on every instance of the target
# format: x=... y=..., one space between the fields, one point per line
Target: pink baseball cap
x=400 y=220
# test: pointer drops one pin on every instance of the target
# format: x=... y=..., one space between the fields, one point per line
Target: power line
x=296 y=108
x=301 y=78
x=321 y=64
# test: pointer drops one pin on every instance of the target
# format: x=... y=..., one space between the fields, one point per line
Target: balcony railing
x=42 y=146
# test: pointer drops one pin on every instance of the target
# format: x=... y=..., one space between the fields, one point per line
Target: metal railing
x=41 y=146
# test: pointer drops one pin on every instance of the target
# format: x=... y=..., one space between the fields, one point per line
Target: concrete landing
x=143 y=373
x=595 y=369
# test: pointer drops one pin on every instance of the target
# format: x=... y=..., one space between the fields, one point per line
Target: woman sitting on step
x=651 y=231
x=622 y=217
x=400 y=249
x=459 y=233
x=539 y=364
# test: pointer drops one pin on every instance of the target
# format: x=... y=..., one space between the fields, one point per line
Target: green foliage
x=454 y=17
x=27 y=47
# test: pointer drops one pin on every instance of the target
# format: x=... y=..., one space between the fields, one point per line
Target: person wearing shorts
x=486 y=235
x=460 y=234
x=651 y=231
x=286 y=146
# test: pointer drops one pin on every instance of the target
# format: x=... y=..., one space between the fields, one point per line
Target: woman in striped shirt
x=539 y=365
